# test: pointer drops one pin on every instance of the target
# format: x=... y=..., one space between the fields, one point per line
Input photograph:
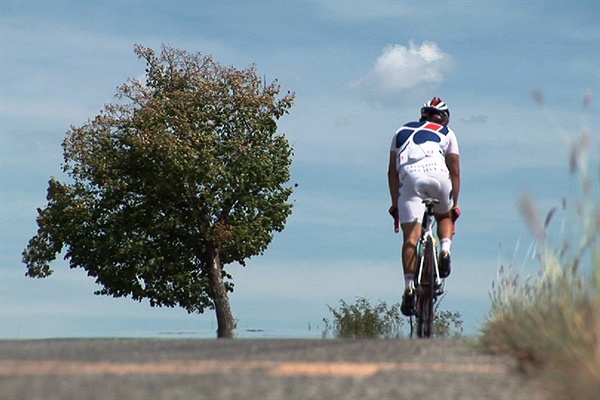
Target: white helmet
x=435 y=110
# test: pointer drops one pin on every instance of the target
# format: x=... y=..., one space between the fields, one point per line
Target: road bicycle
x=428 y=284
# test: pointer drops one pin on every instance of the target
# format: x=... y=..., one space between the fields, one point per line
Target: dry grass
x=553 y=327
x=551 y=322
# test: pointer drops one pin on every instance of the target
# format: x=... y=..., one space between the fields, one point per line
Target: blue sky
x=359 y=69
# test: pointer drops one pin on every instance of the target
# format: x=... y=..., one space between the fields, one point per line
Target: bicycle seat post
x=429 y=204
x=429 y=208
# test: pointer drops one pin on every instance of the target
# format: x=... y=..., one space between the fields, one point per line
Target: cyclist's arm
x=393 y=179
x=453 y=164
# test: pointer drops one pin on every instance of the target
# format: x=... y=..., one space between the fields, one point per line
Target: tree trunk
x=225 y=321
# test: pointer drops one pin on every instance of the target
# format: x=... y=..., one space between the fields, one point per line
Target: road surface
x=261 y=369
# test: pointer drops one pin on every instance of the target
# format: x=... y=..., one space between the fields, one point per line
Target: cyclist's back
x=420 y=149
x=424 y=162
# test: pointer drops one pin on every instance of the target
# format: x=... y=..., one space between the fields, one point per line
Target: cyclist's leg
x=445 y=231
x=410 y=210
x=445 y=226
x=411 y=232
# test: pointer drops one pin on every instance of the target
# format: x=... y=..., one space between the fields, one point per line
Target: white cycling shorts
x=428 y=177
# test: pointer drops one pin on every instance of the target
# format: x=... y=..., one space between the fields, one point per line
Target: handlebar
x=393 y=211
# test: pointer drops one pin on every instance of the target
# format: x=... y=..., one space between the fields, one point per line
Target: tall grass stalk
x=551 y=322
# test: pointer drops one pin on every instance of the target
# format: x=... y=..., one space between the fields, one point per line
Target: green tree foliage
x=183 y=175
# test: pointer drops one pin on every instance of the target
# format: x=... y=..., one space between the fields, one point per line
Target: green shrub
x=363 y=320
x=446 y=323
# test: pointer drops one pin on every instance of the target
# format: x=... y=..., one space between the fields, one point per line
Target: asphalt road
x=260 y=369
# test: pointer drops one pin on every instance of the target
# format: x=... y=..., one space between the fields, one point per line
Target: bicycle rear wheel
x=426 y=293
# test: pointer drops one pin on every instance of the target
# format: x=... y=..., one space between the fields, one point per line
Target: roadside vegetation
x=183 y=176
x=551 y=322
x=382 y=321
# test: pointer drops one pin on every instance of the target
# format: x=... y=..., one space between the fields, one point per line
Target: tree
x=182 y=176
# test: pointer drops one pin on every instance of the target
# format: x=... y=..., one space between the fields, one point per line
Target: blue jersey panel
x=426 y=136
x=402 y=137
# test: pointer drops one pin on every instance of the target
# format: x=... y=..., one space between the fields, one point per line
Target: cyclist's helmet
x=435 y=110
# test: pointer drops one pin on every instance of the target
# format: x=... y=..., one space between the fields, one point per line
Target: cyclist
x=424 y=162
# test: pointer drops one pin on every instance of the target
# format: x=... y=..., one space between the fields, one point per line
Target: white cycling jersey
x=420 y=149
x=417 y=140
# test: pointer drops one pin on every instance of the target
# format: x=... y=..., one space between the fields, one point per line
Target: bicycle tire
x=426 y=293
x=431 y=288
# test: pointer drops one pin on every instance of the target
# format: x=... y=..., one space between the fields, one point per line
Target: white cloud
x=400 y=69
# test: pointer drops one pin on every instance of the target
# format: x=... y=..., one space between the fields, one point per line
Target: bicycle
x=428 y=284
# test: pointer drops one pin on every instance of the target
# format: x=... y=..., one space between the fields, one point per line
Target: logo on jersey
x=423 y=132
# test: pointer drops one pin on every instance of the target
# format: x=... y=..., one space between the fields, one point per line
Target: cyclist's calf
x=411 y=232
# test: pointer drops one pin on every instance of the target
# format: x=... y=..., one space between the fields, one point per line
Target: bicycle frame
x=427 y=276
x=427 y=236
